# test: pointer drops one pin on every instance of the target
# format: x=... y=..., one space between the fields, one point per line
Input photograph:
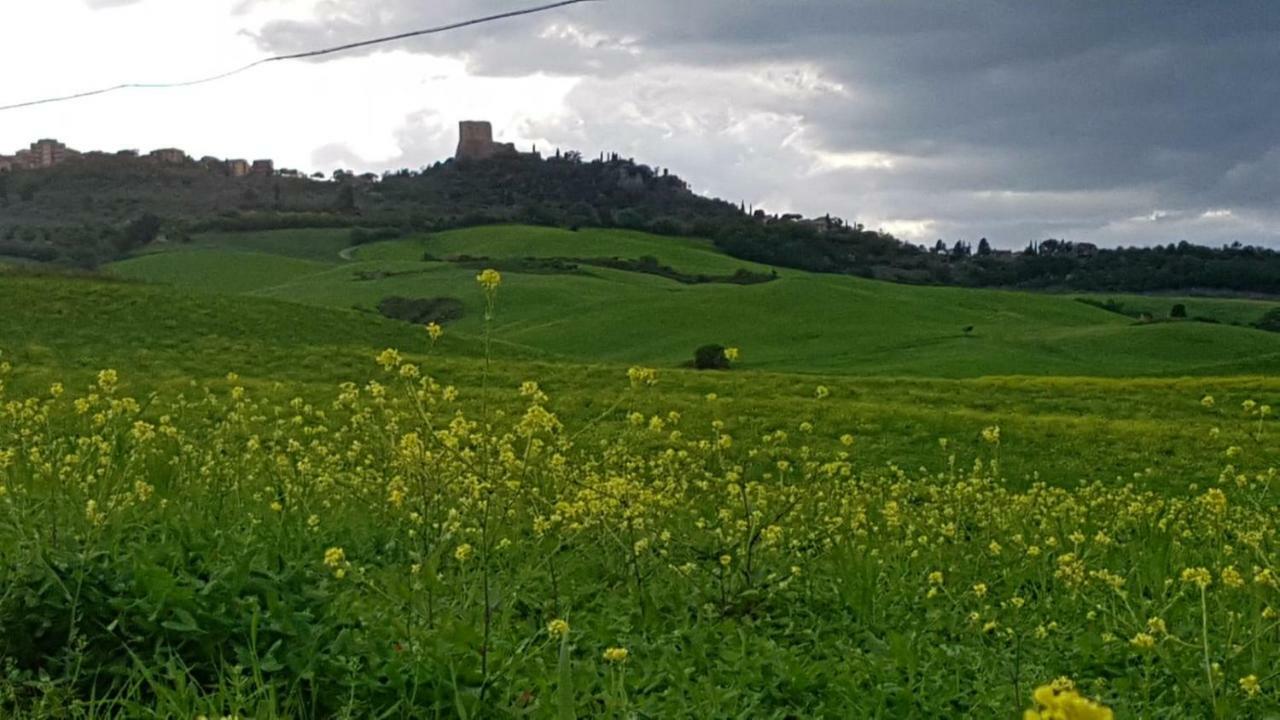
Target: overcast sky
x=1110 y=122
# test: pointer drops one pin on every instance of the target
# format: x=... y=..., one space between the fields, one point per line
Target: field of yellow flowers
x=399 y=550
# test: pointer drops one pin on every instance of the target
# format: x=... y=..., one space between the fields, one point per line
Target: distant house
x=263 y=167
x=237 y=168
x=46 y=153
x=168 y=156
x=7 y=163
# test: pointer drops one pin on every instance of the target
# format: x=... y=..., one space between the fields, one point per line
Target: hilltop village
x=475 y=143
x=47 y=153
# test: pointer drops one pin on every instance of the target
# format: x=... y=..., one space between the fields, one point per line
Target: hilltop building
x=169 y=156
x=475 y=142
x=237 y=168
x=48 y=152
x=263 y=167
x=42 y=154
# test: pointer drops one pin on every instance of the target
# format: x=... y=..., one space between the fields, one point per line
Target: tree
x=1178 y=311
x=984 y=247
x=139 y=232
x=346 y=200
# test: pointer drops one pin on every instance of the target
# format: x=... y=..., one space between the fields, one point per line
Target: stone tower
x=475 y=140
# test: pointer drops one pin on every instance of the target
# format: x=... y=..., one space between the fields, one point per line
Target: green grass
x=276 y=546
x=1233 y=311
x=162 y=339
x=801 y=322
x=320 y=245
x=220 y=271
x=515 y=241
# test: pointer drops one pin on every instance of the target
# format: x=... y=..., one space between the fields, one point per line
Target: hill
x=169 y=340
x=273 y=544
x=100 y=208
x=567 y=295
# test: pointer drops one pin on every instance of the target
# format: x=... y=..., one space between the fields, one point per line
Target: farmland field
x=798 y=322
x=229 y=497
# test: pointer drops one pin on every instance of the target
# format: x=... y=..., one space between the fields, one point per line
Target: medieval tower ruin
x=475 y=141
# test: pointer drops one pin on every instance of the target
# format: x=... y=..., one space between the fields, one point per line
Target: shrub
x=362 y=236
x=710 y=357
x=1178 y=311
x=1269 y=322
x=421 y=311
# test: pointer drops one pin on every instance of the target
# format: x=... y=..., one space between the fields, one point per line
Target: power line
x=299 y=56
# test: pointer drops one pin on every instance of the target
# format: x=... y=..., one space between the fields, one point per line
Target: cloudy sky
x=1111 y=122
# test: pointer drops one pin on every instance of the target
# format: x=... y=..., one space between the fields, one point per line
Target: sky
x=1105 y=122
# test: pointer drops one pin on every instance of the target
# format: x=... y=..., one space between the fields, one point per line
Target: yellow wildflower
x=991 y=435
x=558 y=628
x=1199 y=576
x=616 y=655
x=489 y=279
x=642 y=376
x=1250 y=686
x=389 y=359
x=334 y=557
x=1143 y=641
x=1060 y=701
x=1231 y=577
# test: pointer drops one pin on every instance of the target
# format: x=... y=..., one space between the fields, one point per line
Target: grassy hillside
x=1232 y=311
x=163 y=339
x=798 y=322
x=272 y=545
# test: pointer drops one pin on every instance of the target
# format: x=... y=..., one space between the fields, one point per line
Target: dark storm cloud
x=1007 y=119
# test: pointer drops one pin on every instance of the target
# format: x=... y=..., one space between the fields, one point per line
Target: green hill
x=582 y=311
x=166 y=339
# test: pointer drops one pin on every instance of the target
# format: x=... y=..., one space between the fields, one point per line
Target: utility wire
x=299 y=56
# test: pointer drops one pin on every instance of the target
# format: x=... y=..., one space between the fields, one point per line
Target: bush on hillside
x=421 y=311
x=362 y=236
x=711 y=357
x=1178 y=311
x=1269 y=322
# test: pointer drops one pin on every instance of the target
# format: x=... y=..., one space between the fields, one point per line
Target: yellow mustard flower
x=489 y=279
x=558 y=628
x=1250 y=686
